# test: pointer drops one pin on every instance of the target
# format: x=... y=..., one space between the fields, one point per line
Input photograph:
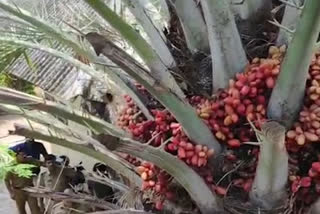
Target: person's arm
x=7 y=181
x=43 y=150
x=33 y=161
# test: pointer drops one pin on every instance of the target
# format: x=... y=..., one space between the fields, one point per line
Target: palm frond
x=38 y=46
x=56 y=34
x=131 y=199
x=163 y=9
x=12 y=97
x=8 y=164
x=190 y=180
x=46 y=27
x=200 y=193
x=139 y=10
x=182 y=111
x=8 y=55
x=54 y=131
x=150 y=57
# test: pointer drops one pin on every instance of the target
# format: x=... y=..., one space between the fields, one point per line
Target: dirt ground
x=6 y=204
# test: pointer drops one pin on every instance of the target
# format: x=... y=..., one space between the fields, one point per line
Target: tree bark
x=269 y=186
x=290 y=19
x=228 y=56
x=193 y=25
x=287 y=96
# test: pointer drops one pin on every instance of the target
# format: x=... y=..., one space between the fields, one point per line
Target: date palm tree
x=206 y=28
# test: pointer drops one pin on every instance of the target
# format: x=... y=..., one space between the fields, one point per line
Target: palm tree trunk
x=287 y=96
x=250 y=9
x=269 y=184
x=228 y=56
x=193 y=25
x=290 y=19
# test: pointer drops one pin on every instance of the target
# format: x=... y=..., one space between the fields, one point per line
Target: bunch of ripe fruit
x=304 y=137
x=227 y=115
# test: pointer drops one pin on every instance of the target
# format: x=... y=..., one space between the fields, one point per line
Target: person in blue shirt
x=15 y=185
x=31 y=148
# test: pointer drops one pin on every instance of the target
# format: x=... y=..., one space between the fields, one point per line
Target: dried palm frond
x=131 y=199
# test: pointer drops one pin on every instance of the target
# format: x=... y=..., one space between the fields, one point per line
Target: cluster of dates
x=227 y=114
